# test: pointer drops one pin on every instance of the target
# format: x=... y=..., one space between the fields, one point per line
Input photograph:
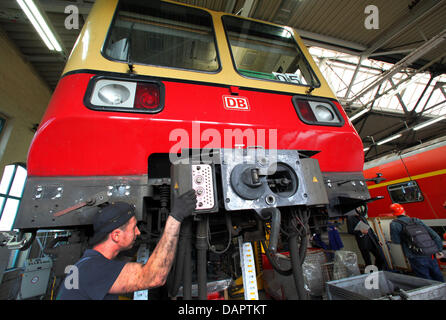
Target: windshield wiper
x=310 y=89
x=129 y=51
x=131 y=67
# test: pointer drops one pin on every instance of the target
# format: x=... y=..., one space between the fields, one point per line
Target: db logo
x=236 y=103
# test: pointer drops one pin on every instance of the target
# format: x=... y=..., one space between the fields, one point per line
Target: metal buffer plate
x=259 y=178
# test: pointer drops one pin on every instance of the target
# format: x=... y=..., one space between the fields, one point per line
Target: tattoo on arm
x=135 y=276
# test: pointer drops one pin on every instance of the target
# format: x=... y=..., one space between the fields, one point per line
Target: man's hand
x=439 y=255
x=183 y=205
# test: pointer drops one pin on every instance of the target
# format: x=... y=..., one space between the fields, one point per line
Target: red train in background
x=415 y=178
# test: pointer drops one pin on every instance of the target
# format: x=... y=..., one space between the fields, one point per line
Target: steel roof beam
x=441 y=87
x=418 y=12
x=404 y=63
x=360 y=110
x=400 y=98
x=434 y=106
x=331 y=41
x=438 y=85
x=59 y=6
x=355 y=74
x=247 y=8
x=393 y=31
x=230 y=5
x=52 y=5
x=423 y=93
x=45 y=58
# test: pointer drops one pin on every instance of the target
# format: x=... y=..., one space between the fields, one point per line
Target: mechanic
x=102 y=277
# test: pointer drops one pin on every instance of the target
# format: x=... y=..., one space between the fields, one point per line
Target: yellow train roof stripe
x=86 y=54
x=417 y=177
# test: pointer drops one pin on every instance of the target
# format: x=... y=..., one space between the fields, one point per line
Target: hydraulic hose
x=297 y=266
x=304 y=239
x=187 y=275
x=201 y=245
x=275 y=227
x=176 y=275
x=274 y=263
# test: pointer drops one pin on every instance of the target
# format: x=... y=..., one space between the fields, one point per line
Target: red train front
x=150 y=85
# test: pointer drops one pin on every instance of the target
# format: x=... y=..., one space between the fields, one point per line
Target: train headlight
x=323 y=113
x=317 y=111
x=124 y=96
x=114 y=94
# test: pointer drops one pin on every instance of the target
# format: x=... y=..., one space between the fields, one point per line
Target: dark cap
x=109 y=218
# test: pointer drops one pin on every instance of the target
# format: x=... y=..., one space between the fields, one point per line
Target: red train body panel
x=70 y=133
x=425 y=165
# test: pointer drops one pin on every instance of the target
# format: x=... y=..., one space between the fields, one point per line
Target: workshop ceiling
x=411 y=35
x=15 y=24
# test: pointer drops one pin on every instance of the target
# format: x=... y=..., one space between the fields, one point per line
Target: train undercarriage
x=270 y=199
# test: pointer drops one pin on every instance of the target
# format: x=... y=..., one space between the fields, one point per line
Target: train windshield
x=269 y=52
x=162 y=34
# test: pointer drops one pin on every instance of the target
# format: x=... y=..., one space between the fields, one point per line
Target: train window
x=405 y=192
x=162 y=34
x=268 y=52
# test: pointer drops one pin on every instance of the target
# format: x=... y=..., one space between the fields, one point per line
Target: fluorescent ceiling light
x=428 y=123
x=366 y=149
x=39 y=23
x=389 y=139
x=35 y=24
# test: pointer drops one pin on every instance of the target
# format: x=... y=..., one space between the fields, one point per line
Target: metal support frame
x=441 y=85
x=230 y=5
x=355 y=74
x=438 y=85
x=403 y=63
x=400 y=98
x=369 y=109
x=247 y=8
x=409 y=77
x=423 y=93
x=368 y=114
x=417 y=13
x=434 y=106
x=340 y=78
x=59 y=6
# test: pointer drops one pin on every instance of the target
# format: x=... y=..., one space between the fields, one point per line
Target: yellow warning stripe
x=417 y=177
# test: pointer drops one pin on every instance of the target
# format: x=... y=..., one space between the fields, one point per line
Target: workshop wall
x=23 y=100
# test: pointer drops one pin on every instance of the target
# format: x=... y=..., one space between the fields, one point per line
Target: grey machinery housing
x=258 y=179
